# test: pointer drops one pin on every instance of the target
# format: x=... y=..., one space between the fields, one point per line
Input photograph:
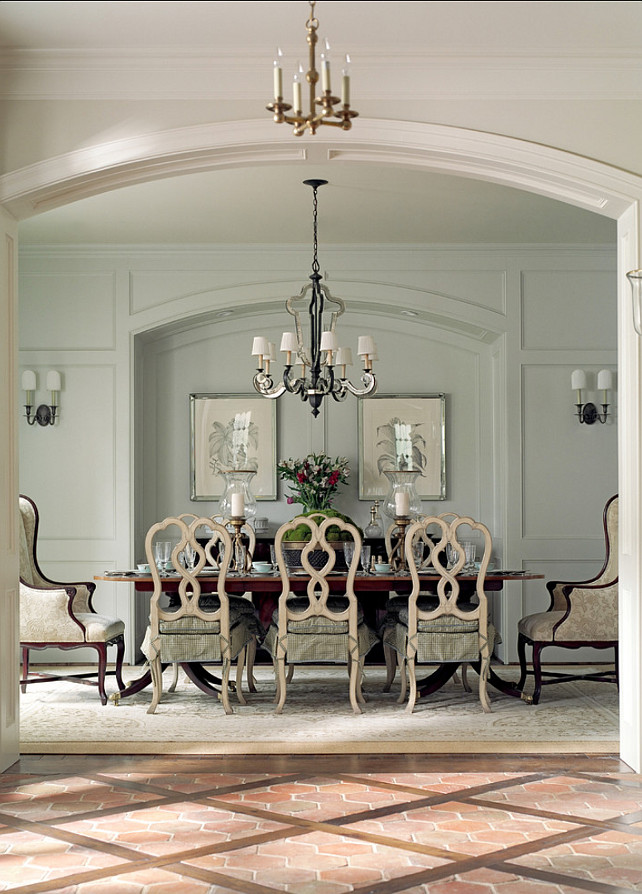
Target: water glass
x=348 y=551
x=162 y=554
x=418 y=552
x=365 y=558
x=273 y=555
x=470 y=551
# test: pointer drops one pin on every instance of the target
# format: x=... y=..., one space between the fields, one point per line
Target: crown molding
x=378 y=77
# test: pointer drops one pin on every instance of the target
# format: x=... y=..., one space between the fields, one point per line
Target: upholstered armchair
x=581 y=613
x=60 y=615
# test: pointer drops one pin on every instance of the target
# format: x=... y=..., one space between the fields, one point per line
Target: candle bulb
x=345 y=83
x=278 y=75
x=325 y=68
x=296 y=91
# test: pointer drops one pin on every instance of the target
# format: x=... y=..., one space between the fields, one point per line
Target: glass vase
x=238 y=501
x=402 y=499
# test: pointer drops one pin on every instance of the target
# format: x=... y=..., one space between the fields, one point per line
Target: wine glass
x=348 y=551
x=190 y=556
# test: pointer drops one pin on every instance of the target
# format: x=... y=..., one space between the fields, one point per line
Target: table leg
x=135 y=686
x=436 y=679
x=504 y=686
x=205 y=681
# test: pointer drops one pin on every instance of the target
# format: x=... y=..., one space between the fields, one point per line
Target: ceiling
x=364 y=203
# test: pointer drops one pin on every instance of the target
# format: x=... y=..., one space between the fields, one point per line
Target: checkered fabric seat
x=196 y=627
x=442 y=628
x=319 y=627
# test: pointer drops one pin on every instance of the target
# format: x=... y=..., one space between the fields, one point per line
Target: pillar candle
x=238 y=505
x=402 y=503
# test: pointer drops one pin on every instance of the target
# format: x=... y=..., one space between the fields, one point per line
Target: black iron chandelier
x=321 y=108
x=323 y=363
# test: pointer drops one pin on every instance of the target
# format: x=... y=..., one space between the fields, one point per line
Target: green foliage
x=334 y=534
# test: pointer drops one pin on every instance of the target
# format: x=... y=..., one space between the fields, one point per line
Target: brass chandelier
x=323 y=363
x=322 y=107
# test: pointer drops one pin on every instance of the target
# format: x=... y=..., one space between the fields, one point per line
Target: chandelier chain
x=315 y=239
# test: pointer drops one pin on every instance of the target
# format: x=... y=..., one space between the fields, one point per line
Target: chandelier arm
x=293 y=386
x=265 y=386
x=370 y=385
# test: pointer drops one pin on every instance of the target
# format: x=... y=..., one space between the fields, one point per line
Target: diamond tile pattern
x=329 y=824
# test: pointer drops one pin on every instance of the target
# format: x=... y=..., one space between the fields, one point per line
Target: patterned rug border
x=63 y=718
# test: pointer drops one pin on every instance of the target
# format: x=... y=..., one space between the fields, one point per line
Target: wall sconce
x=635 y=278
x=587 y=412
x=46 y=413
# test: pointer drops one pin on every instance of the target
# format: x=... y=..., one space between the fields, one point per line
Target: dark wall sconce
x=46 y=413
x=588 y=413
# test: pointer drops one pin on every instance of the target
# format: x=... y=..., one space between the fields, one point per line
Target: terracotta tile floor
x=327 y=824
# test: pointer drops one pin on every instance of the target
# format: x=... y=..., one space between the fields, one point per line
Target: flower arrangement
x=315 y=479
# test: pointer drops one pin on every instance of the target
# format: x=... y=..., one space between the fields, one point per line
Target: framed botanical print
x=402 y=432
x=230 y=431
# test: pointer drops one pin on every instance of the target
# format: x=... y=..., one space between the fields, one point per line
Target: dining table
x=266 y=587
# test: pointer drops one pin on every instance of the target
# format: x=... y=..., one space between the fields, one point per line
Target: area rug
x=60 y=718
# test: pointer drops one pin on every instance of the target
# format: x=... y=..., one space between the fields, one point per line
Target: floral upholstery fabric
x=44 y=606
x=592 y=606
x=593 y=617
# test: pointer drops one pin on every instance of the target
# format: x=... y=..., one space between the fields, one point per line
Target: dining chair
x=580 y=614
x=249 y=547
x=319 y=627
x=197 y=629
x=61 y=615
x=397 y=601
x=449 y=627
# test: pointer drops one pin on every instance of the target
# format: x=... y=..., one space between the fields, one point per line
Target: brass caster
x=527 y=698
x=115 y=698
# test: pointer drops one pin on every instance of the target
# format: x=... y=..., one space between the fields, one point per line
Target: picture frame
x=227 y=431
x=382 y=444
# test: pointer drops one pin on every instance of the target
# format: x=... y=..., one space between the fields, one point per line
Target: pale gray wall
x=498 y=330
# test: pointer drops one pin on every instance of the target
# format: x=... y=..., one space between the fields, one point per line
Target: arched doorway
x=538 y=169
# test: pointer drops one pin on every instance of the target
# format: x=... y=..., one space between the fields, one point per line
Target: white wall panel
x=568 y=470
x=569 y=310
x=67 y=311
x=68 y=468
